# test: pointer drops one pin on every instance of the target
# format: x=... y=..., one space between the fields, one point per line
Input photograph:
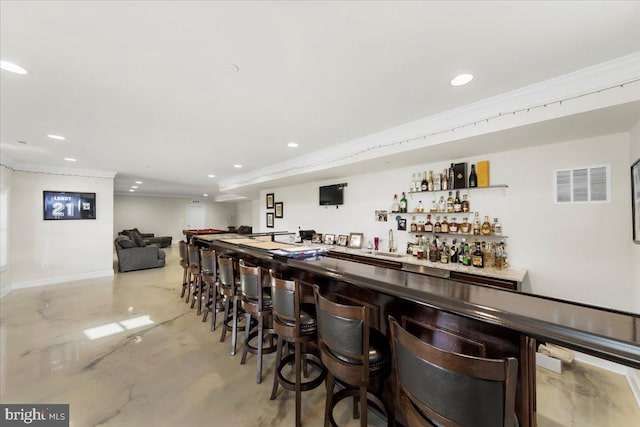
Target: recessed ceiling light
x=138 y=182
x=205 y=195
x=292 y=145
x=131 y=190
x=13 y=68
x=233 y=68
x=134 y=186
x=58 y=137
x=70 y=159
x=461 y=79
x=237 y=166
x=211 y=175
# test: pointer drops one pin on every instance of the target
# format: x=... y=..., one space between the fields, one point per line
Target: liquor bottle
x=453 y=226
x=450 y=202
x=403 y=203
x=395 y=207
x=496 y=227
x=416 y=246
x=428 y=227
x=444 y=184
x=452 y=184
x=461 y=253
x=420 y=207
x=477 y=259
x=430 y=181
x=467 y=257
x=444 y=253
x=445 y=225
x=465 y=227
x=434 y=206
x=433 y=251
x=485 y=229
x=453 y=251
x=412 y=186
x=473 y=178
x=437 y=227
x=414 y=225
x=465 y=204
x=476 y=225
x=437 y=182
x=423 y=184
x=500 y=257
x=457 y=204
x=442 y=205
x=421 y=226
x=489 y=260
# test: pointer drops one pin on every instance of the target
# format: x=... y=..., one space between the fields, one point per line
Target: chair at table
x=355 y=355
x=184 y=263
x=436 y=387
x=294 y=322
x=230 y=290
x=194 y=281
x=209 y=274
x=257 y=304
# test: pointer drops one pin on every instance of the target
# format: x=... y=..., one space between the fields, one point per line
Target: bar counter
x=508 y=323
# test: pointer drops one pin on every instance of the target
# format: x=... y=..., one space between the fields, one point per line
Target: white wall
x=167 y=216
x=43 y=252
x=6 y=178
x=576 y=252
x=634 y=256
x=244 y=214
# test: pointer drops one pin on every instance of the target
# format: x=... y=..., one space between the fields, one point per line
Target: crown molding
x=56 y=170
x=566 y=94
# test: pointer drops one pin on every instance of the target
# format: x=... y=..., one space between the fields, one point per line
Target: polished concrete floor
x=160 y=366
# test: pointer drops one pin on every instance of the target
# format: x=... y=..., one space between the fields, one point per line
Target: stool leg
x=298 y=360
x=207 y=304
x=330 y=381
x=186 y=300
x=246 y=340
x=200 y=295
x=196 y=287
x=214 y=307
x=363 y=406
x=184 y=282
x=274 y=390
x=234 y=328
x=260 y=339
x=225 y=316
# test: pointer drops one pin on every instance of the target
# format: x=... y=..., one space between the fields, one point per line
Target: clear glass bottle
x=444 y=253
x=442 y=205
x=450 y=202
x=496 y=227
x=414 y=225
x=485 y=229
x=476 y=225
x=488 y=251
x=420 y=207
x=465 y=203
x=437 y=182
x=395 y=206
x=434 y=206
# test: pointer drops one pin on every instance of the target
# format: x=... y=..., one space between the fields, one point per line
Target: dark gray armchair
x=133 y=257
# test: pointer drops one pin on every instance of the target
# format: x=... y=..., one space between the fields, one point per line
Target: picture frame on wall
x=270 y=220
x=355 y=240
x=279 y=210
x=270 y=200
x=635 y=200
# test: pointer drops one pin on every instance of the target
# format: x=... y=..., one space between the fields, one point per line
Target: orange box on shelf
x=483 y=173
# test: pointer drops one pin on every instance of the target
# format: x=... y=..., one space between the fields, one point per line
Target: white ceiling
x=144 y=88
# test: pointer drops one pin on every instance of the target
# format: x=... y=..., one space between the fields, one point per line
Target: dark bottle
x=477 y=259
x=473 y=178
x=403 y=203
x=454 y=252
x=424 y=184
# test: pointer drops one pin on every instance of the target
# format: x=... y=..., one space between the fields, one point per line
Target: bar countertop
x=609 y=334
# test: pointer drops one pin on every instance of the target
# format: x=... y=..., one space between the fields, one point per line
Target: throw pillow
x=126 y=243
x=138 y=239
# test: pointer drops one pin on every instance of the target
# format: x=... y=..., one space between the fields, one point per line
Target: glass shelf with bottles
x=459 y=189
x=465 y=228
x=471 y=235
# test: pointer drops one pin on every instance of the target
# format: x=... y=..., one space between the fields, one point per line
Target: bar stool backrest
x=182 y=246
x=436 y=386
x=194 y=257
x=208 y=262
x=344 y=329
x=250 y=281
x=285 y=295
x=227 y=278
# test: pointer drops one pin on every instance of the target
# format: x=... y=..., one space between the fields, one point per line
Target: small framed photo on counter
x=279 y=210
x=355 y=240
x=342 y=240
x=270 y=200
x=269 y=219
x=329 y=239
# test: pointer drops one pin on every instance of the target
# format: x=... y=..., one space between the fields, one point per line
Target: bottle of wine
x=403 y=203
x=473 y=178
x=395 y=206
x=452 y=184
x=450 y=202
x=454 y=253
x=457 y=204
x=430 y=181
x=424 y=186
x=485 y=229
x=445 y=180
x=477 y=259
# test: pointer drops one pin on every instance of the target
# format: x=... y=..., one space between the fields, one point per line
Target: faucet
x=391 y=243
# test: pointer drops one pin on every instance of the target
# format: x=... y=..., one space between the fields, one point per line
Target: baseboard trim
x=6 y=291
x=61 y=279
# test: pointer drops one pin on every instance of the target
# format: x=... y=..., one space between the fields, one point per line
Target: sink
x=388 y=254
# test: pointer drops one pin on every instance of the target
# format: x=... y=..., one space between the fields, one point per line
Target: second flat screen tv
x=332 y=195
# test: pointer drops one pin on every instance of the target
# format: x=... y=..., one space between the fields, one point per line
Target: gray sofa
x=149 y=238
x=134 y=254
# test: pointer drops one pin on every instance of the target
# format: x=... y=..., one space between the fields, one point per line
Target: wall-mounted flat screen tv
x=59 y=205
x=332 y=194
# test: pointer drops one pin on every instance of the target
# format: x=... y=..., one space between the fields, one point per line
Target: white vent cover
x=582 y=185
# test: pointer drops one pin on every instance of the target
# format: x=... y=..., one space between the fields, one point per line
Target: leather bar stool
x=257 y=304
x=210 y=278
x=193 y=253
x=295 y=323
x=184 y=263
x=230 y=290
x=440 y=387
x=355 y=355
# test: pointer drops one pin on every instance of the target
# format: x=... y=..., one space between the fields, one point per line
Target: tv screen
x=331 y=194
x=60 y=205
